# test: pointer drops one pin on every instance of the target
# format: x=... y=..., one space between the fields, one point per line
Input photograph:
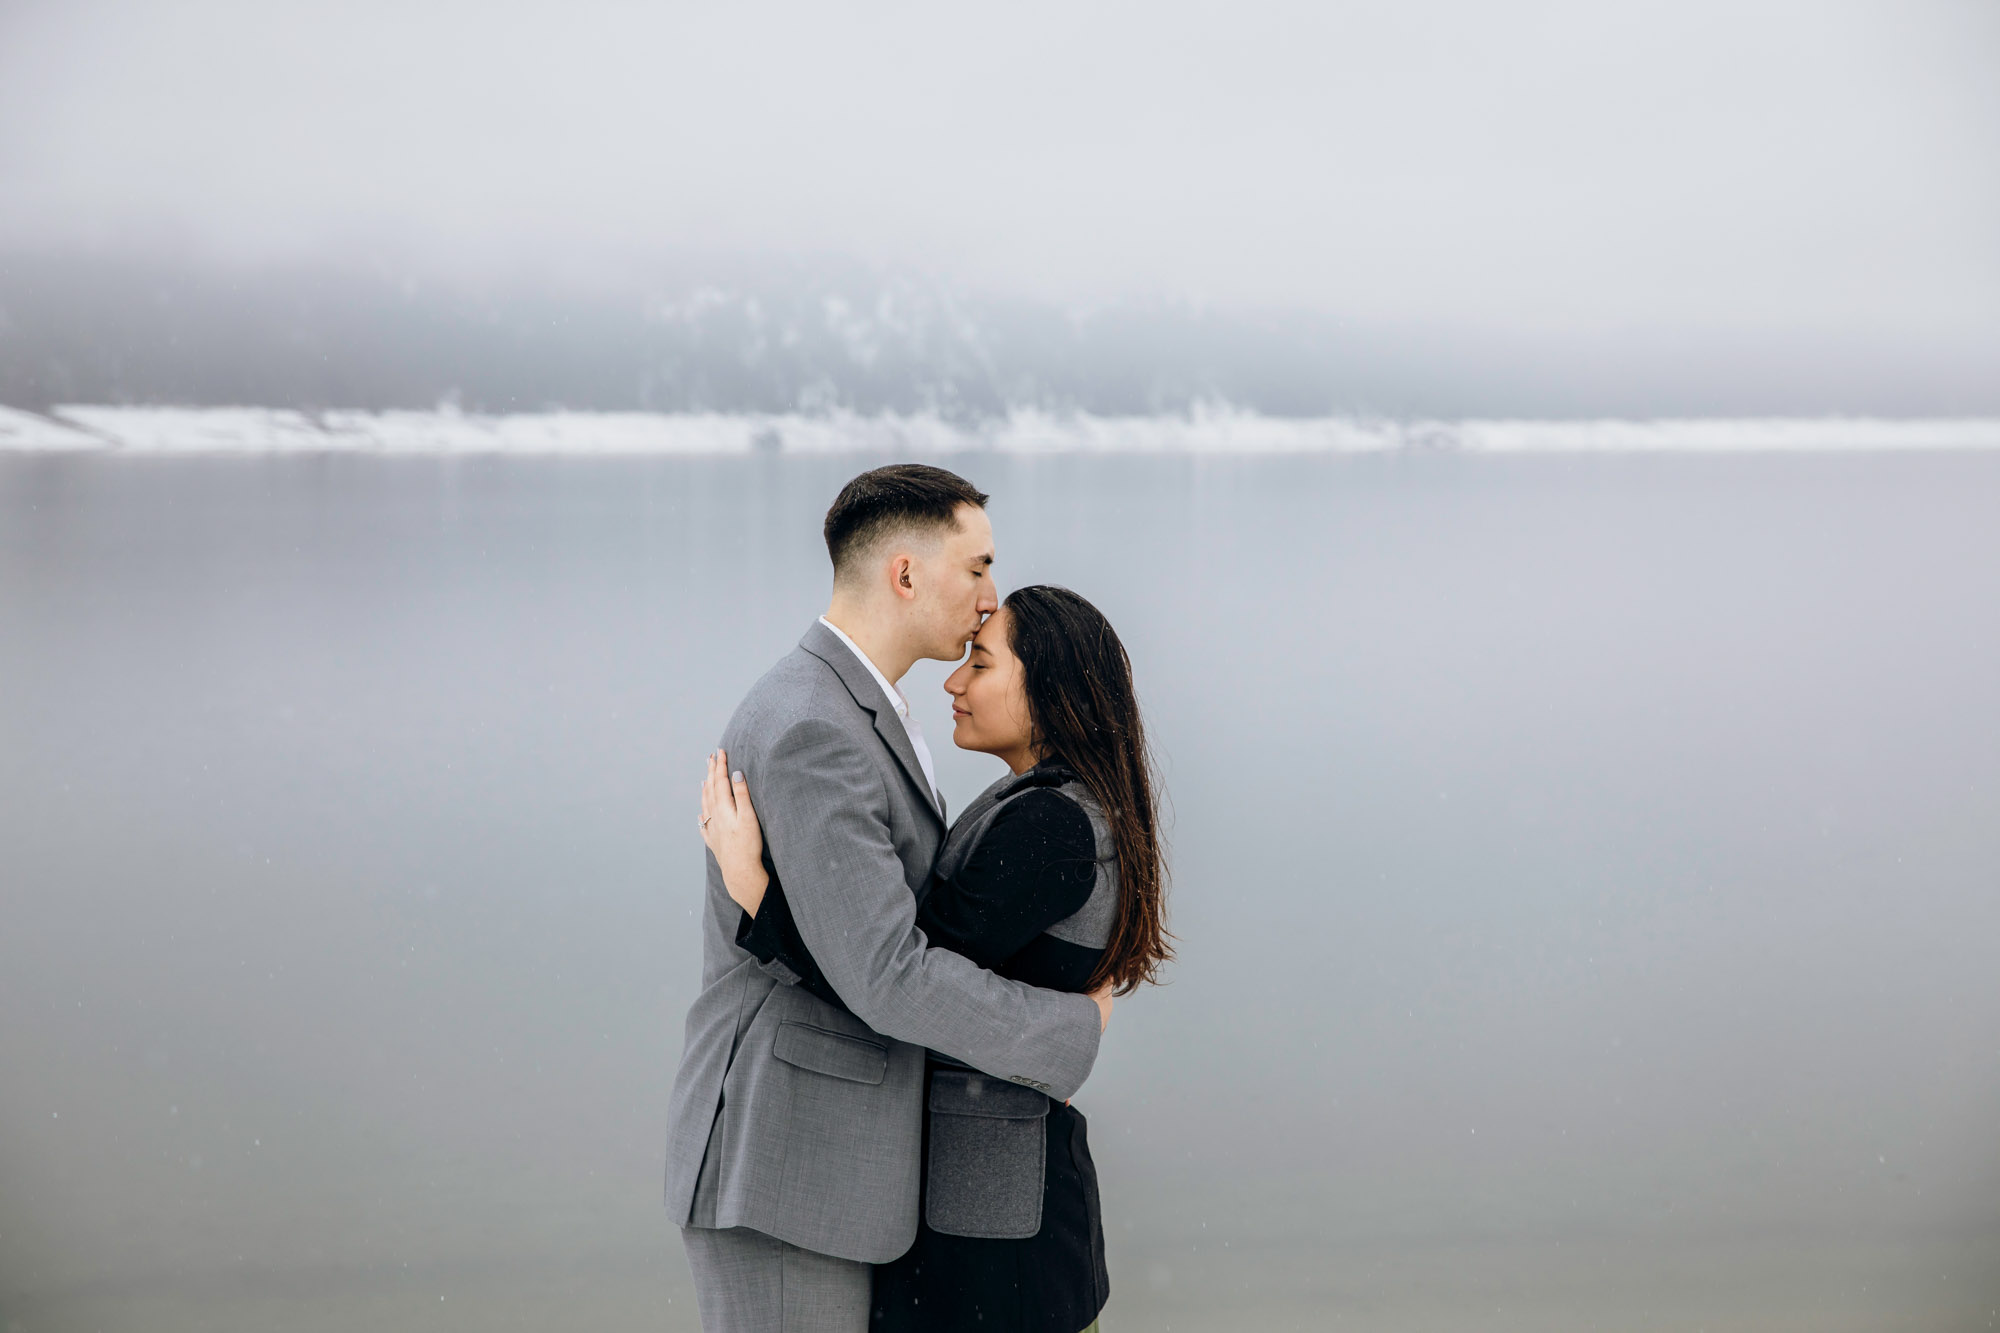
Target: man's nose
x=989 y=601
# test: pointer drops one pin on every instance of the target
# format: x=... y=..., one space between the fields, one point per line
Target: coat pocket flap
x=966 y=1092
x=831 y=1053
x=988 y=1156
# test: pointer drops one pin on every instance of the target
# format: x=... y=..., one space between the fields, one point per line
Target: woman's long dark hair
x=1085 y=713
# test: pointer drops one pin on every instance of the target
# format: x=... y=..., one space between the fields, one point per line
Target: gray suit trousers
x=748 y=1282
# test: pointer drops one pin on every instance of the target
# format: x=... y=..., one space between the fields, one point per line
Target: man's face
x=955 y=588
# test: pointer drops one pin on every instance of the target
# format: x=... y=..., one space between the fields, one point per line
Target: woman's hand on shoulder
x=729 y=827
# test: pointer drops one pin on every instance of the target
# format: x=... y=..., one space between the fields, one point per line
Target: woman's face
x=989 y=702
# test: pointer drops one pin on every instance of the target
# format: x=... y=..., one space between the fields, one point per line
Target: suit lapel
x=824 y=644
x=890 y=728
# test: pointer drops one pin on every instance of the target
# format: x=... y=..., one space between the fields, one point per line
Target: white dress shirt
x=900 y=704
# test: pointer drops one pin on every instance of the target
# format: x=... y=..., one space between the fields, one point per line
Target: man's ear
x=899 y=576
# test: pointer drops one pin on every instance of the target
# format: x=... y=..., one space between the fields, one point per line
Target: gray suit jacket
x=788 y=1116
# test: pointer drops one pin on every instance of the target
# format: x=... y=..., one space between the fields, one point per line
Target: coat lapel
x=824 y=644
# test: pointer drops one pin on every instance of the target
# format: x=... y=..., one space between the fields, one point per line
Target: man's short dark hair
x=887 y=499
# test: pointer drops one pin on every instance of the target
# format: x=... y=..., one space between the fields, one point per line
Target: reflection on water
x=1585 y=871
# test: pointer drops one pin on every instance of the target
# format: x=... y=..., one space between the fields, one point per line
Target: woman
x=1052 y=877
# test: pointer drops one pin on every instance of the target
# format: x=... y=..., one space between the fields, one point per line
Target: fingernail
x=737 y=776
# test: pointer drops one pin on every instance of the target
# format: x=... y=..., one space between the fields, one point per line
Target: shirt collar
x=895 y=695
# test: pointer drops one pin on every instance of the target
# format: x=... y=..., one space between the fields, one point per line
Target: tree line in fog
x=122 y=330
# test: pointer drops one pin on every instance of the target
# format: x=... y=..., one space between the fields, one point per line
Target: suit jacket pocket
x=823 y=1052
x=989 y=1143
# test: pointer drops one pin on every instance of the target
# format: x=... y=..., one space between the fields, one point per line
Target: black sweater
x=1035 y=865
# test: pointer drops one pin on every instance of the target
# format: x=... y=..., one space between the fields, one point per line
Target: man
x=794 y=1129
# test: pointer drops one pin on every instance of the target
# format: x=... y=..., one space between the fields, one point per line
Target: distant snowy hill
x=815 y=338
x=792 y=340
x=253 y=430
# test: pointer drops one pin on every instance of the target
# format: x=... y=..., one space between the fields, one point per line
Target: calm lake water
x=1587 y=872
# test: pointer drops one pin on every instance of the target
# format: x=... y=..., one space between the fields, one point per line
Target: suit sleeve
x=826 y=826
x=772 y=938
x=1034 y=866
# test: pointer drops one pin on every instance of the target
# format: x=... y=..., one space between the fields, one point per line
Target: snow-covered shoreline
x=163 y=431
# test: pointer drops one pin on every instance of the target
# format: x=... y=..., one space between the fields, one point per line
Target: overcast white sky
x=1824 y=165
